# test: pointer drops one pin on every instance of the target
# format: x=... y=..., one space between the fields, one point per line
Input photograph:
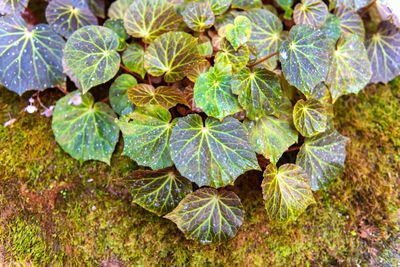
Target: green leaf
x=225 y=19
x=66 y=16
x=205 y=49
x=117 y=25
x=286 y=191
x=331 y=28
x=166 y=96
x=86 y=131
x=383 y=49
x=353 y=5
x=133 y=59
x=350 y=70
x=322 y=94
x=91 y=55
x=158 y=191
x=238 y=33
x=350 y=22
x=259 y=92
x=13 y=7
x=323 y=157
x=148 y=19
x=208 y=215
x=213 y=94
x=305 y=57
x=287 y=6
x=30 y=58
x=158 y=60
x=311 y=12
x=198 y=69
x=246 y=4
x=229 y=56
x=118 y=9
x=265 y=35
x=146 y=133
x=219 y=7
x=272 y=136
x=118 y=94
x=310 y=117
x=198 y=16
x=214 y=154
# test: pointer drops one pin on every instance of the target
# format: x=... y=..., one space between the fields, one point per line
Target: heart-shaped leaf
x=13 y=7
x=158 y=191
x=265 y=35
x=229 y=56
x=198 y=69
x=286 y=191
x=117 y=25
x=91 y=54
x=133 y=59
x=309 y=117
x=331 y=28
x=353 y=5
x=146 y=133
x=350 y=70
x=350 y=21
x=239 y=32
x=166 y=96
x=158 y=60
x=322 y=157
x=148 y=19
x=198 y=16
x=66 y=16
x=30 y=58
x=272 y=136
x=219 y=7
x=311 y=12
x=85 y=130
x=305 y=57
x=118 y=94
x=213 y=154
x=259 y=92
x=118 y=9
x=383 y=49
x=246 y=4
x=213 y=94
x=208 y=215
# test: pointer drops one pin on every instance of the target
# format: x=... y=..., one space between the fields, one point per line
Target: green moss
x=76 y=222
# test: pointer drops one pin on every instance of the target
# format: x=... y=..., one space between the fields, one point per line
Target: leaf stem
x=105 y=99
x=130 y=72
x=149 y=79
x=264 y=59
x=203 y=40
x=293 y=149
x=65 y=92
x=365 y=10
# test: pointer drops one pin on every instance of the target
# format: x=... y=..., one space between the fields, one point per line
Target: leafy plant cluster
x=202 y=92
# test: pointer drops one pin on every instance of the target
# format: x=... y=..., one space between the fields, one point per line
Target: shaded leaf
x=213 y=154
x=133 y=59
x=12 y=7
x=350 y=21
x=213 y=94
x=272 y=136
x=350 y=70
x=383 y=49
x=158 y=60
x=208 y=215
x=265 y=35
x=91 y=54
x=30 y=58
x=219 y=7
x=148 y=19
x=246 y=4
x=323 y=157
x=259 y=92
x=117 y=25
x=286 y=191
x=353 y=5
x=87 y=131
x=331 y=28
x=118 y=9
x=166 y=96
x=305 y=57
x=118 y=94
x=198 y=16
x=158 y=191
x=146 y=132
x=309 y=117
x=311 y=12
x=205 y=49
x=198 y=69
x=229 y=56
x=321 y=93
x=66 y=16
x=287 y=6
x=239 y=32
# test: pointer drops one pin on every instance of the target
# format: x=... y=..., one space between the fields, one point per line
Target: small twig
x=293 y=149
x=149 y=79
x=365 y=10
x=203 y=39
x=130 y=72
x=264 y=59
x=105 y=99
x=40 y=102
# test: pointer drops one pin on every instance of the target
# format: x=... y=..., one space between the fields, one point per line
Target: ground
x=52 y=213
